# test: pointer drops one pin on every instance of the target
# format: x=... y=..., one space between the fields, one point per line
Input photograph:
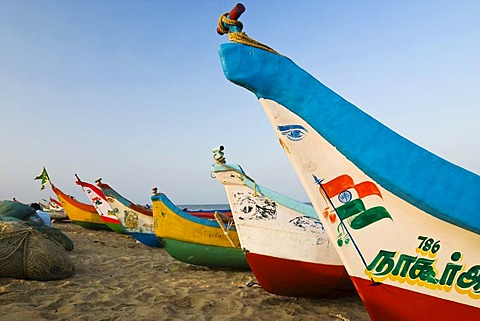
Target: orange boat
x=79 y=213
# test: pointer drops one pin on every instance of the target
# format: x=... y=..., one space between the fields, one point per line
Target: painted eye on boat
x=293 y=132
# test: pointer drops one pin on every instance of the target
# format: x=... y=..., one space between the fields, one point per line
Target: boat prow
x=99 y=201
x=196 y=240
x=79 y=213
x=136 y=220
x=405 y=222
x=409 y=171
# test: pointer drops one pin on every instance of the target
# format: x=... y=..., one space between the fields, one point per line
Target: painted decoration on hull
x=417 y=251
x=418 y=269
x=423 y=271
x=293 y=132
x=400 y=166
x=354 y=204
x=285 y=243
x=309 y=224
x=130 y=218
x=255 y=206
x=99 y=201
x=415 y=234
x=135 y=219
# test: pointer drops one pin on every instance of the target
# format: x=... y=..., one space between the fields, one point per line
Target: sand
x=120 y=279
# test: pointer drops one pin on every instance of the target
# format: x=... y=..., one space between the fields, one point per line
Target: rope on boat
x=222 y=226
x=240 y=37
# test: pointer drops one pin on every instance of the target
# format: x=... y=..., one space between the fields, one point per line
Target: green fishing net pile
x=29 y=249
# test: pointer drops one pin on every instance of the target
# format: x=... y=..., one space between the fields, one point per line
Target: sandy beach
x=120 y=279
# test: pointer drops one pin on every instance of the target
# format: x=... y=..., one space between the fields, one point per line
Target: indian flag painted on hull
x=354 y=204
x=99 y=201
x=286 y=245
x=417 y=256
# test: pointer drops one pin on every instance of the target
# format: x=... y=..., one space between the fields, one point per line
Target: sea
x=196 y=207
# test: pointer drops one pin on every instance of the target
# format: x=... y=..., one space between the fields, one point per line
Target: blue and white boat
x=405 y=222
x=284 y=242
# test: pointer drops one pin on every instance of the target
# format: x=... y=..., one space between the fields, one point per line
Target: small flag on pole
x=44 y=177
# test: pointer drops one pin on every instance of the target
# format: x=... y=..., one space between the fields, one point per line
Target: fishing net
x=28 y=254
x=15 y=209
x=54 y=233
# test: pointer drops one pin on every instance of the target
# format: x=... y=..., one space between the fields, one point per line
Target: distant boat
x=51 y=205
x=207 y=213
x=405 y=222
x=99 y=201
x=54 y=209
x=54 y=205
x=136 y=220
x=196 y=240
x=80 y=213
x=285 y=244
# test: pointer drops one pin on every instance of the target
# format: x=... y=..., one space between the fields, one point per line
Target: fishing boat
x=80 y=213
x=404 y=221
x=196 y=240
x=136 y=220
x=208 y=213
x=99 y=201
x=284 y=242
x=52 y=205
x=54 y=208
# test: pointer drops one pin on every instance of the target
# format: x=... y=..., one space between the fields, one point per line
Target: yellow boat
x=196 y=240
x=79 y=213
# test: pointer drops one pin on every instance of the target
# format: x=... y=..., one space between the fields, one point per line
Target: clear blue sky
x=133 y=91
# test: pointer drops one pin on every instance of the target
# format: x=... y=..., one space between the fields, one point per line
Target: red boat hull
x=386 y=302
x=110 y=220
x=299 y=279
